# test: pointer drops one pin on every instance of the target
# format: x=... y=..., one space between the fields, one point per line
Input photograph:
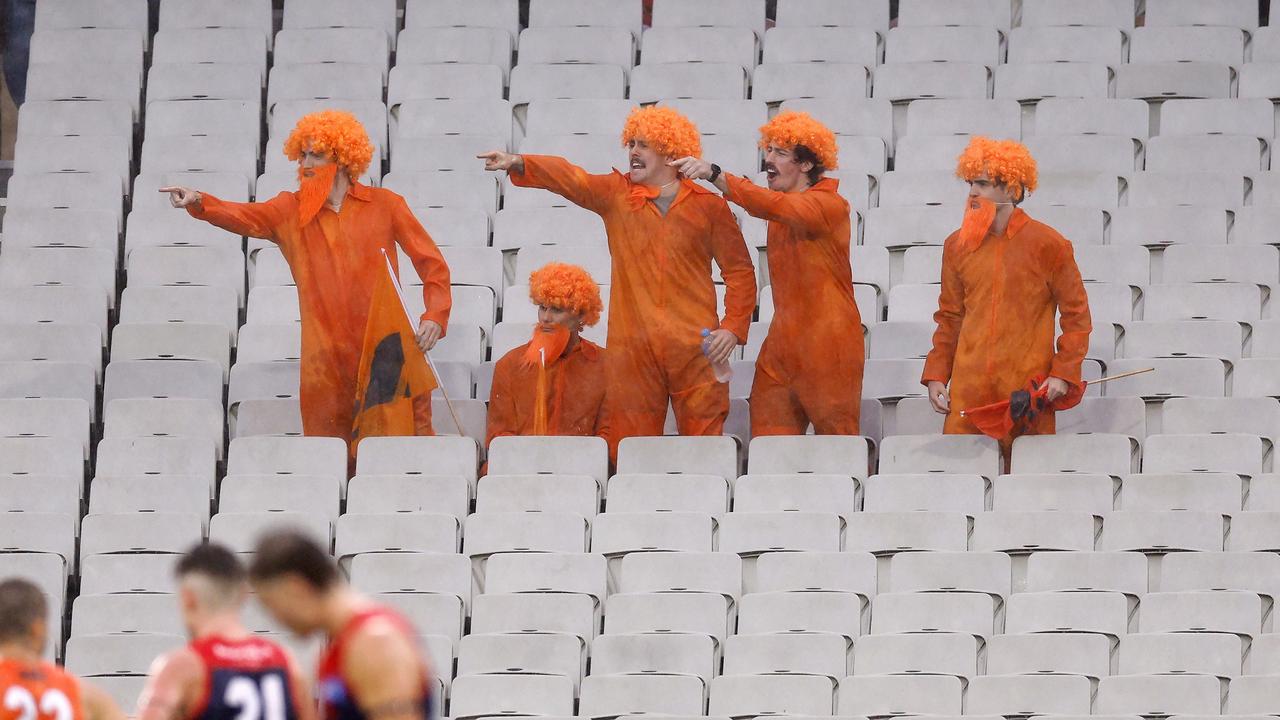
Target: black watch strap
x=715 y=172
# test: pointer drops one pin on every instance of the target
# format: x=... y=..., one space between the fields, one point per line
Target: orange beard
x=313 y=191
x=979 y=214
x=549 y=341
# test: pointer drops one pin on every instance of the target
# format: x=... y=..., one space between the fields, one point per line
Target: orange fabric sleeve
x=729 y=250
x=502 y=404
x=802 y=210
x=949 y=318
x=593 y=192
x=427 y=260
x=1076 y=321
x=254 y=219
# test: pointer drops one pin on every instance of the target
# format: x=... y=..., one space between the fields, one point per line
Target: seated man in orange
x=664 y=233
x=333 y=232
x=1005 y=278
x=553 y=384
x=810 y=366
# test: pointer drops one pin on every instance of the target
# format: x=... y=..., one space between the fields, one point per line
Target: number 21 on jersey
x=256 y=699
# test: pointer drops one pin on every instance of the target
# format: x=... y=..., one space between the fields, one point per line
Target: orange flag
x=394 y=373
x=998 y=419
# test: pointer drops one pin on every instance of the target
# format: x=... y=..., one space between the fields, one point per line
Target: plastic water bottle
x=722 y=369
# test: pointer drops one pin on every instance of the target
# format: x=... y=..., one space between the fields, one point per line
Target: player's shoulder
x=185 y=661
x=381 y=633
x=381 y=624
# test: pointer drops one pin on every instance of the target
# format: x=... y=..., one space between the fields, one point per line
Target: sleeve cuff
x=437 y=318
x=739 y=331
x=933 y=373
x=1069 y=374
x=732 y=182
x=523 y=178
x=199 y=210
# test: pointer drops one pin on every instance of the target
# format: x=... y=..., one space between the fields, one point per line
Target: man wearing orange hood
x=810 y=366
x=1004 y=279
x=664 y=232
x=334 y=232
x=553 y=384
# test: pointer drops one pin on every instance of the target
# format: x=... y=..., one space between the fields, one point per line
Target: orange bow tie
x=640 y=194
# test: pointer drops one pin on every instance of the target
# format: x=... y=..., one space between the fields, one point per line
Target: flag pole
x=1131 y=373
x=395 y=282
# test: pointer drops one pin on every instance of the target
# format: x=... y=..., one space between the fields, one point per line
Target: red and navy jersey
x=247 y=677
x=335 y=694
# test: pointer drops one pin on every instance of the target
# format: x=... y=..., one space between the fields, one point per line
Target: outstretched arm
x=799 y=209
x=170 y=690
x=260 y=220
x=556 y=174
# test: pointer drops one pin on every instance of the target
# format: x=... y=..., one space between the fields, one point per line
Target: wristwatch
x=715 y=173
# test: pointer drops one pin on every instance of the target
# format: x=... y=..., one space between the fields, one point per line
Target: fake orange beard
x=313 y=191
x=979 y=214
x=547 y=344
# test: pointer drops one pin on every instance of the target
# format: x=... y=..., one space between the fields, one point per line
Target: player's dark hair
x=804 y=155
x=289 y=552
x=21 y=605
x=213 y=560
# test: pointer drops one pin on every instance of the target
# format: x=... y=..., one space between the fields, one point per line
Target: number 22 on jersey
x=52 y=704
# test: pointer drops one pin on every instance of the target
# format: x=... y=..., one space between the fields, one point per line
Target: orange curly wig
x=335 y=132
x=1005 y=161
x=665 y=130
x=790 y=128
x=568 y=287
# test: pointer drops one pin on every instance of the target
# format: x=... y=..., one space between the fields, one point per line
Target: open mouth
x=771 y=172
x=636 y=164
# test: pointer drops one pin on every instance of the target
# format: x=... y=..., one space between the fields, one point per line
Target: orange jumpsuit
x=996 y=319
x=335 y=260
x=661 y=297
x=38 y=691
x=810 y=366
x=575 y=386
